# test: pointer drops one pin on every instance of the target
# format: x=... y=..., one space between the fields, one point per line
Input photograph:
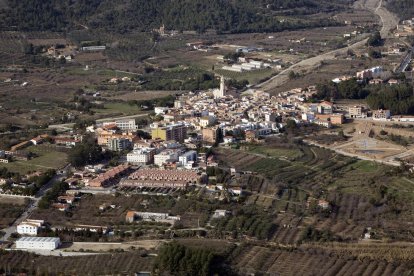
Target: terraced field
x=103 y=264
x=310 y=260
x=361 y=194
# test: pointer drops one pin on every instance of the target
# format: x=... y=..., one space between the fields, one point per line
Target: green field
x=80 y=71
x=253 y=76
x=116 y=108
x=48 y=158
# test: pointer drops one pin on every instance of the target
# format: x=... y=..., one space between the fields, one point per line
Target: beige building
x=210 y=135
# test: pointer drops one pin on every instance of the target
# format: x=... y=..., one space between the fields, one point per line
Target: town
x=206 y=138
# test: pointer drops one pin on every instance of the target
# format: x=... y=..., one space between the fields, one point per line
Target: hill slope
x=125 y=15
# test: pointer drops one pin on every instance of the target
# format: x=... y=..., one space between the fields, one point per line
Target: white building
x=38 y=243
x=127 y=124
x=141 y=156
x=159 y=110
x=207 y=121
x=165 y=156
x=187 y=157
x=29 y=227
x=221 y=213
x=220 y=93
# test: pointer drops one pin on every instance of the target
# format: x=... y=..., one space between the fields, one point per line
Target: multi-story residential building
x=166 y=156
x=207 y=121
x=356 y=112
x=119 y=144
x=105 y=135
x=325 y=107
x=177 y=132
x=141 y=156
x=127 y=124
x=210 y=135
x=185 y=158
x=335 y=119
x=29 y=227
x=381 y=114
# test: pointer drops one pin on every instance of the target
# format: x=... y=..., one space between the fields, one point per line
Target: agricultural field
x=102 y=264
x=46 y=157
x=252 y=76
x=359 y=192
x=86 y=210
x=315 y=260
x=10 y=209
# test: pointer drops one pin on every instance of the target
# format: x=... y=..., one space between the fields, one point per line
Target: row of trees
x=88 y=152
x=349 y=89
x=399 y=99
x=176 y=259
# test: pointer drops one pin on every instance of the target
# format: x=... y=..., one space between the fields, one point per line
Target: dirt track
x=388 y=20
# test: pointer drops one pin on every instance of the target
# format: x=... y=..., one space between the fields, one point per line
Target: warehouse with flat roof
x=38 y=243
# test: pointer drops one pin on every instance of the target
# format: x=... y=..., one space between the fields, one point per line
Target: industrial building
x=38 y=243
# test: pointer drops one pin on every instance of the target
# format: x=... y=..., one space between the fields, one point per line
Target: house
x=393 y=82
x=37 y=140
x=356 y=112
x=236 y=190
x=61 y=206
x=325 y=107
x=29 y=227
x=250 y=135
x=228 y=139
x=323 y=204
x=381 y=115
x=324 y=123
x=220 y=213
x=66 y=199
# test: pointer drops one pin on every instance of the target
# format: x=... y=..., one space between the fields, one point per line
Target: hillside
x=143 y=15
x=403 y=8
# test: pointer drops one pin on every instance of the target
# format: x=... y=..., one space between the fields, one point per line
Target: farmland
x=322 y=260
x=9 y=211
x=103 y=264
x=45 y=157
x=353 y=187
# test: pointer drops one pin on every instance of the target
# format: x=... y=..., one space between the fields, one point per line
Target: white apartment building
x=29 y=227
x=38 y=243
x=141 y=156
x=187 y=157
x=127 y=124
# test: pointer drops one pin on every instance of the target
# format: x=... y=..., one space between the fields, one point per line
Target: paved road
x=33 y=205
x=388 y=21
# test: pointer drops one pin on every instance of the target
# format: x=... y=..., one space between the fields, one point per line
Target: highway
x=405 y=62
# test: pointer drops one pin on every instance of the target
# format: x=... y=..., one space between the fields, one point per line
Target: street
x=33 y=205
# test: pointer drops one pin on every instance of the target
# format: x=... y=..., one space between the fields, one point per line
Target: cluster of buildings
x=406 y=28
x=245 y=64
x=163 y=178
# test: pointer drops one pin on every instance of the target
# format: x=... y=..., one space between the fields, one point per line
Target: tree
x=375 y=40
x=374 y=54
x=88 y=152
